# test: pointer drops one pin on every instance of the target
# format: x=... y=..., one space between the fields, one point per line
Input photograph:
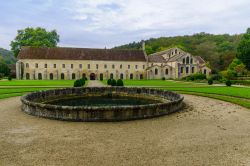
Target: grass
x=36 y=83
x=236 y=95
x=159 y=83
x=20 y=87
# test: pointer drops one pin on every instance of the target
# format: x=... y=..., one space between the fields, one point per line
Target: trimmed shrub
x=79 y=83
x=109 y=81
x=228 y=83
x=197 y=76
x=1 y=76
x=9 y=78
x=210 y=81
x=113 y=82
x=119 y=82
x=163 y=78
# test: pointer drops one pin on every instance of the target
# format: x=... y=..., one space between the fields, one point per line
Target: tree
x=35 y=37
x=243 y=50
x=4 y=69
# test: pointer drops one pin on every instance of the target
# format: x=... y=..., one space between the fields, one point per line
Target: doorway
x=92 y=76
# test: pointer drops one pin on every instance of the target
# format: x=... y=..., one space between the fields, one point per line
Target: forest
x=218 y=50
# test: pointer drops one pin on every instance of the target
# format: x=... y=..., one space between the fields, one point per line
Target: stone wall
x=32 y=105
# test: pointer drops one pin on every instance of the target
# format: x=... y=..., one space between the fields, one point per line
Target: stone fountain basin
x=36 y=104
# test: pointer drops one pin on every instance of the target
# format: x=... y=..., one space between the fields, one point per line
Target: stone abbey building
x=74 y=63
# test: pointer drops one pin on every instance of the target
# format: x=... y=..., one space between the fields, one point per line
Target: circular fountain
x=101 y=103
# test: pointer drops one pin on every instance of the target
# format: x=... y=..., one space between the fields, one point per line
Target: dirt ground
x=206 y=132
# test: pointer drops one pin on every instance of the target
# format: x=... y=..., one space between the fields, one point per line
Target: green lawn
x=20 y=87
x=237 y=95
x=36 y=83
x=159 y=83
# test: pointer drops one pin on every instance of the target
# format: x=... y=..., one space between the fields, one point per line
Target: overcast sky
x=107 y=23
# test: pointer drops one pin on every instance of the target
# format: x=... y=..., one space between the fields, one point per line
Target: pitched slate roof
x=156 y=58
x=63 y=53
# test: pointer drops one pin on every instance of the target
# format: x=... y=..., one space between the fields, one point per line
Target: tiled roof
x=62 y=53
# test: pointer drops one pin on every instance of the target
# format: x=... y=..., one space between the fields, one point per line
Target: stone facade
x=56 y=64
x=33 y=104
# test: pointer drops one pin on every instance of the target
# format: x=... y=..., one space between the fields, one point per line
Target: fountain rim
x=116 y=107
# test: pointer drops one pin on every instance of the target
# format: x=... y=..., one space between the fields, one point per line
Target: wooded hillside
x=218 y=50
x=7 y=56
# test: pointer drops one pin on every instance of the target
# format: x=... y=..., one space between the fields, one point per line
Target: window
x=187 y=69
x=192 y=69
x=181 y=69
x=141 y=76
x=62 y=76
x=36 y=65
x=54 y=65
x=27 y=65
x=143 y=66
x=131 y=76
x=156 y=71
x=136 y=66
x=51 y=76
x=111 y=75
x=63 y=65
x=176 y=51
x=72 y=66
x=45 y=65
x=191 y=61
x=128 y=66
x=80 y=66
x=105 y=66
x=96 y=66
x=166 y=71
x=183 y=60
x=120 y=66
x=172 y=53
x=101 y=76
x=113 y=66
x=84 y=75
x=205 y=71
x=73 y=76
x=88 y=66
x=40 y=76
x=121 y=76
x=187 y=60
x=27 y=76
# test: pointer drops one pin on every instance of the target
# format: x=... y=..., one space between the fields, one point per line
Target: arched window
x=51 y=76
x=183 y=60
x=205 y=71
x=156 y=71
x=27 y=65
x=131 y=76
x=40 y=76
x=62 y=76
x=191 y=61
x=181 y=69
x=187 y=69
x=192 y=69
x=166 y=71
x=84 y=75
x=73 y=76
x=176 y=51
x=111 y=75
x=27 y=76
x=187 y=60
x=141 y=76
x=120 y=66
x=101 y=76
x=121 y=76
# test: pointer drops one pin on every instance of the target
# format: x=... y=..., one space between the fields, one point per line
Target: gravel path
x=95 y=83
x=206 y=132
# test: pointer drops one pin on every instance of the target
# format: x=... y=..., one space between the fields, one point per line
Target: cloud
x=100 y=23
